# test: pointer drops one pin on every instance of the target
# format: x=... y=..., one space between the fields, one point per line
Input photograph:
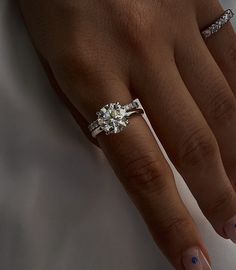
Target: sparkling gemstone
x=222 y=21
x=215 y=28
x=226 y=16
x=207 y=33
x=112 y=118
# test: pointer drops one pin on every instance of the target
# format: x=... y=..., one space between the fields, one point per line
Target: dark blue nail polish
x=195 y=260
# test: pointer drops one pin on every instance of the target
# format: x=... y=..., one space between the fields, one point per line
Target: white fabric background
x=61 y=207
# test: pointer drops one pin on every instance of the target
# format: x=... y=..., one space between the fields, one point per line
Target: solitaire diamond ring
x=114 y=117
x=218 y=24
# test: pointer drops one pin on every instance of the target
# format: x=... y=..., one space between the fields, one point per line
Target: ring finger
x=144 y=172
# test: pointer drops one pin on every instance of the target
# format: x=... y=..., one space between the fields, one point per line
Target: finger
x=222 y=45
x=144 y=172
x=213 y=95
x=73 y=110
x=150 y=183
x=193 y=148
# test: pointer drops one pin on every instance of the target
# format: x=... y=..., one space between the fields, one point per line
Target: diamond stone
x=112 y=118
x=207 y=33
x=215 y=28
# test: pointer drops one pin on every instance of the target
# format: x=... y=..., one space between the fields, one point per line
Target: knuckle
x=223 y=107
x=85 y=62
x=175 y=225
x=230 y=167
x=223 y=201
x=198 y=147
x=138 y=22
x=146 y=174
x=72 y=60
x=232 y=53
x=227 y=60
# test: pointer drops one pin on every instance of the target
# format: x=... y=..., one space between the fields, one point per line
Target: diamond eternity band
x=218 y=24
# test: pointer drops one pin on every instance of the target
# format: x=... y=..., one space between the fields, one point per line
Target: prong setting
x=114 y=117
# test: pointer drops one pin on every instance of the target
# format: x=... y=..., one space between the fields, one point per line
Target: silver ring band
x=113 y=117
x=218 y=24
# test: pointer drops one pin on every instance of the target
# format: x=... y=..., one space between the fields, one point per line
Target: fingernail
x=230 y=229
x=194 y=259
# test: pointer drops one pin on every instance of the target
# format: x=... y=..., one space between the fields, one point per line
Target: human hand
x=97 y=52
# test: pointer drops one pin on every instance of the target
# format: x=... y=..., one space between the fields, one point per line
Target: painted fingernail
x=194 y=259
x=230 y=229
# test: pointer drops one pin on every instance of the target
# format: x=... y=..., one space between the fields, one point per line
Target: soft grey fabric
x=61 y=207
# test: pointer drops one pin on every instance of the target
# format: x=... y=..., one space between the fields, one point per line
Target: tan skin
x=97 y=52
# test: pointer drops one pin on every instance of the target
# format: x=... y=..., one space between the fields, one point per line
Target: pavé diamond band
x=114 y=117
x=218 y=24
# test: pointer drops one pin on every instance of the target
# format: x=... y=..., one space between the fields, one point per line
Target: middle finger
x=193 y=149
x=211 y=91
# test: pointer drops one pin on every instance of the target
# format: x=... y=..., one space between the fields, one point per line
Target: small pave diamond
x=207 y=33
x=112 y=118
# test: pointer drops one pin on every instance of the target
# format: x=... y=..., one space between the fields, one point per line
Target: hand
x=97 y=52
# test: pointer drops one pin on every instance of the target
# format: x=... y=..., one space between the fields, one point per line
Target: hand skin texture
x=97 y=52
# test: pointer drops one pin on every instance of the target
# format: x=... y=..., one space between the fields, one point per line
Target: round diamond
x=112 y=118
x=207 y=33
x=215 y=28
